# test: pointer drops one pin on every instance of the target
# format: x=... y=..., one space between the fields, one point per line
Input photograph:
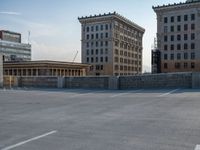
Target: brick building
x=178 y=28
x=112 y=44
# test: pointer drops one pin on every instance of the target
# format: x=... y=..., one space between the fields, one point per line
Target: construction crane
x=75 y=56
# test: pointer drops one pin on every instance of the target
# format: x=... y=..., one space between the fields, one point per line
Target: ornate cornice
x=109 y=16
x=176 y=5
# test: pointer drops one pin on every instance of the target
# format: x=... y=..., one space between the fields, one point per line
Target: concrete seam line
x=29 y=140
x=120 y=94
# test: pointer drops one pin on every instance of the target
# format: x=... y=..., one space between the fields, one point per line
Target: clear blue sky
x=56 y=32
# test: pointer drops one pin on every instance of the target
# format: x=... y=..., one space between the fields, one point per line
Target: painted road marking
x=29 y=140
x=121 y=94
x=197 y=147
x=170 y=92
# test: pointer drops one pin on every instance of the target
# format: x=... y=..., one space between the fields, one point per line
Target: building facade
x=178 y=28
x=112 y=44
x=12 y=48
x=1 y=70
x=44 y=68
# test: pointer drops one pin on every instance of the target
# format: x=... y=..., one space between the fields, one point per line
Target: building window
x=106 y=43
x=185 y=46
x=172 y=47
x=192 y=46
x=101 y=27
x=106 y=51
x=97 y=51
x=101 y=35
x=192 y=17
x=92 y=28
x=116 y=67
x=178 y=56
x=165 y=47
x=88 y=36
x=92 y=59
x=92 y=52
x=177 y=65
x=101 y=59
x=87 y=45
x=97 y=59
x=97 y=43
x=185 y=17
x=178 y=27
x=185 y=55
x=192 y=56
x=92 y=36
x=172 y=28
x=165 y=56
x=178 y=18
x=106 y=59
x=185 y=27
x=178 y=37
x=172 y=38
x=193 y=26
x=172 y=56
x=101 y=51
x=106 y=35
x=185 y=65
x=116 y=59
x=192 y=36
x=101 y=67
x=87 y=52
x=178 y=46
x=106 y=27
x=192 y=65
x=97 y=35
x=101 y=43
x=165 y=19
x=87 y=59
x=97 y=28
x=165 y=66
x=172 y=19
x=165 y=38
x=165 y=29
x=185 y=37
x=88 y=29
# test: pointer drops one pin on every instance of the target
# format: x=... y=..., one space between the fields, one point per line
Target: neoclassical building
x=178 y=36
x=112 y=44
x=44 y=68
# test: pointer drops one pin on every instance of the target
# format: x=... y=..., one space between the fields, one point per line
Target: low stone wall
x=170 y=80
x=87 y=82
x=47 y=82
x=1 y=71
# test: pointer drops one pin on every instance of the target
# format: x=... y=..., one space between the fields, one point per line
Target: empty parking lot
x=33 y=119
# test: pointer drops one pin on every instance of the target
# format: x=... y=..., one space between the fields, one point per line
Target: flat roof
x=45 y=62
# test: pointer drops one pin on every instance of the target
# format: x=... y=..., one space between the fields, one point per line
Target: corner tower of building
x=178 y=28
x=112 y=44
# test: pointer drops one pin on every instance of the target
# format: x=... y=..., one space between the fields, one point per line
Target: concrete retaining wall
x=47 y=82
x=87 y=82
x=171 y=80
x=1 y=71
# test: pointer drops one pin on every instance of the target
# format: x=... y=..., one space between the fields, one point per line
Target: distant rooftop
x=113 y=14
x=177 y=4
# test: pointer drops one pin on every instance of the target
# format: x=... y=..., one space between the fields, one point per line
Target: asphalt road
x=167 y=119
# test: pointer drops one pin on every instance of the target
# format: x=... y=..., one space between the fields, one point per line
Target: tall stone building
x=12 y=48
x=178 y=36
x=112 y=44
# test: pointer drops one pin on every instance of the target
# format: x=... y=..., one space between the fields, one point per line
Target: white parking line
x=29 y=140
x=197 y=147
x=121 y=94
x=170 y=92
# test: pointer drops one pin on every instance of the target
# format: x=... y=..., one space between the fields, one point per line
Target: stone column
x=1 y=71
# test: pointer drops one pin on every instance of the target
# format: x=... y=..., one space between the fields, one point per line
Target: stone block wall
x=87 y=82
x=45 y=82
x=170 y=80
